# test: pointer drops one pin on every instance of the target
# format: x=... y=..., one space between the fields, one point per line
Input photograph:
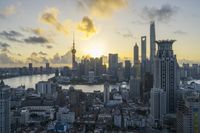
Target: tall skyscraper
x=106 y=93
x=143 y=48
x=4 y=108
x=188 y=115
x=113 y=64
x=157 y=105
x=47 y=65
x=165 y=73
x=152 y=44
x=136 y=54
x=134 y=88
x=74 y=64
x=143 y=58
x=127 y=69
x=30 y=68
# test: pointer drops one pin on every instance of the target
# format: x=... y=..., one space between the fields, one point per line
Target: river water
x=31 y=80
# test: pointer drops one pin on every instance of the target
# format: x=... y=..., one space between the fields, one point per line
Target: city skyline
x=43 y=31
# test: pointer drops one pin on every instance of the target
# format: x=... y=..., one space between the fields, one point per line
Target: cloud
x=50 y=16
x=6 y=60
x=179 y=32
x=11 y=35
x=87 y=26
x=42 y=53
x=62 y=59
x=103 y=8
x=35 y=40
x=36 y=31
x=40 y=32
x=37 y=58
x=127 y=34
x=139 y=22
x=7 y=11
x=49 y=46
x=4 y=47
x=163 y=14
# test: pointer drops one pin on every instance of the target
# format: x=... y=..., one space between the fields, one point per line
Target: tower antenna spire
x=73 y=41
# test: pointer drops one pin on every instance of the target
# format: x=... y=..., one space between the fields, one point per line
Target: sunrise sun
x=94 y=50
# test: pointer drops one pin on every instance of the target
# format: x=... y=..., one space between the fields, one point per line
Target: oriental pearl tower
x=73 y=54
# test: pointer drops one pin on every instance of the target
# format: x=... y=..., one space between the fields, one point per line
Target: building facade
x=106 y=93
x=157 y=105
x=166 y=73
x=113 y=64
x=4 y=108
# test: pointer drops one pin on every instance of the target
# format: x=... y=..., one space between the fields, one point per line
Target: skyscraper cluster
x=163 y=69
x=144 y=69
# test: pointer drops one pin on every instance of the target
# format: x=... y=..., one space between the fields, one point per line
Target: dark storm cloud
x=163 y=14
x=35 y=40
x=11 y=35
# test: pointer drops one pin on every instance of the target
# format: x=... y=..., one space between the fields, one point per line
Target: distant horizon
x=180 y=62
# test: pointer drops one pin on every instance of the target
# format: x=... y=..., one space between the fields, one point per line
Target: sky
x=41 y=31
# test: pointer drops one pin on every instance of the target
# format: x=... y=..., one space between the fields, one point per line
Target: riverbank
x=14 y=76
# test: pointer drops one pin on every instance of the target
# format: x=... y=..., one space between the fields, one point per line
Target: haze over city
x=99 y=66
x=42 y=31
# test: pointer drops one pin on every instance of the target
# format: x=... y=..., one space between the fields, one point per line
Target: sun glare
x=94 y=50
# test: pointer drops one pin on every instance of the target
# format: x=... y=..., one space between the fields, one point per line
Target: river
x=31 y=80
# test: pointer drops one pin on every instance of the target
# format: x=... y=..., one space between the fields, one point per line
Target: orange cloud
x=50 y=16
x=103 y=8
x=87 y=26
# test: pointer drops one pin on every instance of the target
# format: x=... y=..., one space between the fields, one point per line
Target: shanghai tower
x=152 y=44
